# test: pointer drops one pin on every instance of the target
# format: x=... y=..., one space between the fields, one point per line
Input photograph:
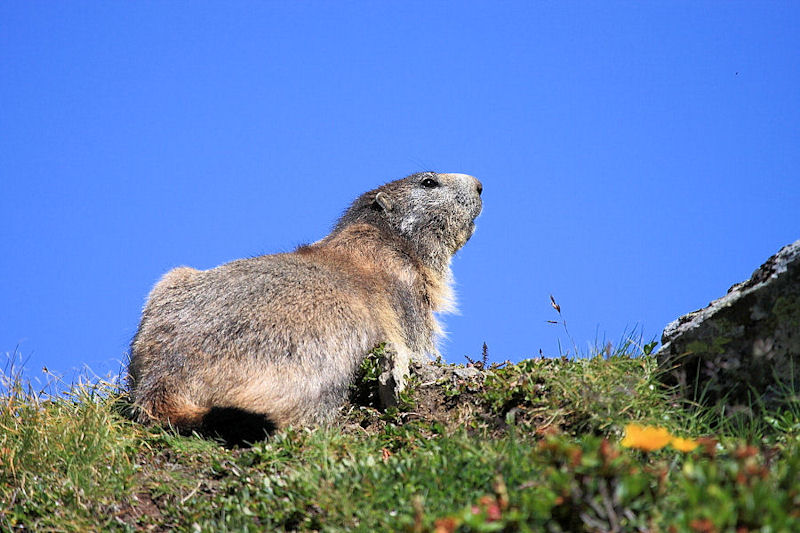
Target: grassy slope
x=532 y=447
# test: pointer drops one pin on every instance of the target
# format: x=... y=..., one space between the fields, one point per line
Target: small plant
x=480 y=365
x=364 y=390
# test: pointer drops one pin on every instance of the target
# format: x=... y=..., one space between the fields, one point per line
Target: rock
x=394 y=364
x=744 y=348
x=388 y=370
x=467 y=372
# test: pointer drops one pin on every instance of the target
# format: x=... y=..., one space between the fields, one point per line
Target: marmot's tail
x=234 y=425
x=237 y=426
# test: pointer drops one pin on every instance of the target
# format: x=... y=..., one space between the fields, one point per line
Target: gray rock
x=744 y=348
x=466 y=372
x=430 y=372
x=394 y=373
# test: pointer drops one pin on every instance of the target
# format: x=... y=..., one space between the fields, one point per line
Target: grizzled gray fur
x=277 y=339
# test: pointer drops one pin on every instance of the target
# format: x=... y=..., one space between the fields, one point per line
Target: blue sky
x=637 y=158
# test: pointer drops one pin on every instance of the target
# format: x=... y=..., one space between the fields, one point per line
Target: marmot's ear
x=382 y=199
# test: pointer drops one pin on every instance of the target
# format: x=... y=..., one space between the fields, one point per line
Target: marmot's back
x=280 y=337
x=255 y=297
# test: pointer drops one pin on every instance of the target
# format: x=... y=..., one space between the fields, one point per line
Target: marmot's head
x=434 y=212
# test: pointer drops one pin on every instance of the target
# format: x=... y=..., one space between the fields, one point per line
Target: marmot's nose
x=478 y=184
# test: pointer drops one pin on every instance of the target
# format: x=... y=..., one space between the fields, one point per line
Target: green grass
x=533 y=447
x=63 y=461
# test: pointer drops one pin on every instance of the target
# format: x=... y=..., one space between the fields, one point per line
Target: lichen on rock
x=744 y=348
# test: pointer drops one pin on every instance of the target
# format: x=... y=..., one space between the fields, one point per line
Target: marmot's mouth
x=464 y=236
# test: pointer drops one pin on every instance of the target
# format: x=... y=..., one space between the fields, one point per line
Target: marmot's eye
x=430 y=183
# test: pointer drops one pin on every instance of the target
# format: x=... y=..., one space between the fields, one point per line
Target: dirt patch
x=166 y=480
x=141 y=510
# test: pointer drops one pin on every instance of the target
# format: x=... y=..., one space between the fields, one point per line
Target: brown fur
x=281 y=336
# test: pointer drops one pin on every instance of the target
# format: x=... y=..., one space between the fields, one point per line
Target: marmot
x=275 y=340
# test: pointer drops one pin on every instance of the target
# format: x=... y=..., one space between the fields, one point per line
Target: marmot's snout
x=470 y=189
x=472 y=180
x=467 y=193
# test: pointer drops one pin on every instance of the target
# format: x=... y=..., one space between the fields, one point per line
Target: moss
x=787 y=311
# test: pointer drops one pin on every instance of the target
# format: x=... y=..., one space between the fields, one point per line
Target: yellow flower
x=649 y=438
x=645 y=438
x=683 y=445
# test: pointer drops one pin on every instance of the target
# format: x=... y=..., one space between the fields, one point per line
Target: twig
x=184 y=500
